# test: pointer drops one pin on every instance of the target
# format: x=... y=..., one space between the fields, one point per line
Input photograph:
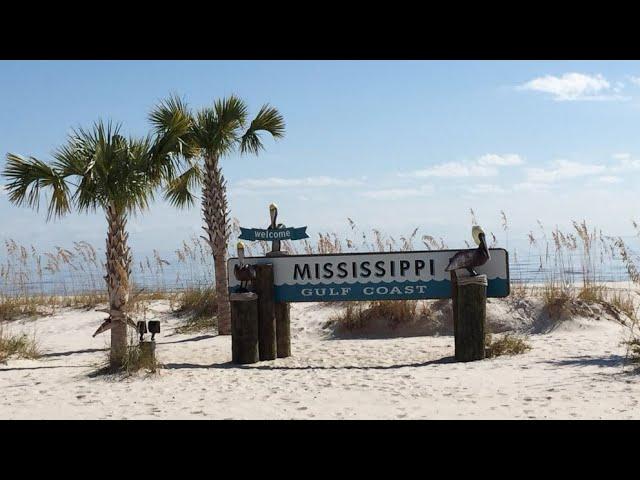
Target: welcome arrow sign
x=254 y=234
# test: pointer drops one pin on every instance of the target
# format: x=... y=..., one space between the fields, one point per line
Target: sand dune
x=574 y=371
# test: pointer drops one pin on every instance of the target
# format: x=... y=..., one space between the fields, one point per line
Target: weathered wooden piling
x=470 y=312
x=454 y=301
x=283 y=320
x=283 y=329
x=267 y=345
x=244 y=327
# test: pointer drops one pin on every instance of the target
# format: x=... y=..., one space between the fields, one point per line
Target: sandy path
x=574 y=372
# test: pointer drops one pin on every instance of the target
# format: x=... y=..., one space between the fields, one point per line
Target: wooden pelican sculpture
x=273 y=213
x=243 y=272
x=470 y=259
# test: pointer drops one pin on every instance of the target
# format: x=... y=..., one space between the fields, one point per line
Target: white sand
x=575 y=371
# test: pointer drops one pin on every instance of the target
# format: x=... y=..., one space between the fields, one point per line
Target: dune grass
x=197 y=305
x=17 y=345
x=507 y=344
x=36 y=283
x=357 y=315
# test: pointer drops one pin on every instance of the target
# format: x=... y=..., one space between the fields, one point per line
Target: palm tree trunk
x=118 y=272
x=215 y=211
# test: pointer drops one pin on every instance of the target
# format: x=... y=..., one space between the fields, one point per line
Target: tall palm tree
x=214 y=132
x=98 y=169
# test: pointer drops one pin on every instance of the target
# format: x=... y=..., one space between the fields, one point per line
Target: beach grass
x=197 y=305
x=507 y=344
x=571 y=262
x=17 y=345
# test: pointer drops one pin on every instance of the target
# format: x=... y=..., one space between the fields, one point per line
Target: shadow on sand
x=192 y=339
x=41 y=368
x=588 y=361
x=176 y=366
x=73 y=352
x=93 y=350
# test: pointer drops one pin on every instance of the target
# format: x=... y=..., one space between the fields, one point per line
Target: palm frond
x=231 y=112
x=217 y=129
x=268 y=120
x=27 y=177
x=179 y=190
x=169 y=114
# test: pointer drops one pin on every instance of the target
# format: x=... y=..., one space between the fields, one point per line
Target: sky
x=393 y=145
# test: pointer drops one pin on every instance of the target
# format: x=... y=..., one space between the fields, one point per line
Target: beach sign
x=409 y=275
x=269 y=234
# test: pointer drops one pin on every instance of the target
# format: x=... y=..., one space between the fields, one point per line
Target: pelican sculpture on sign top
x=243 y=272
x=470 y=259
x=273 y=214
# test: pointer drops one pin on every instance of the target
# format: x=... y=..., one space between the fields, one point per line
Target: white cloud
x=634 y=80
x=484 y=166
x=507 y=160
x=530 y=187
x=3 y=189
x=398 y=193
x=609 y=179
x=626 y=163
x=574 y=86
x=486 y=188
x=562 y=169
x=308 y=182
x=456 y=169
x=622 y=156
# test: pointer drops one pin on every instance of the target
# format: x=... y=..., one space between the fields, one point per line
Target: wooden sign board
x=373 y=276
x=283 y=233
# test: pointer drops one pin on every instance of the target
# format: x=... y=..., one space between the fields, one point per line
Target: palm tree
x=214 y=132
x=98 y=169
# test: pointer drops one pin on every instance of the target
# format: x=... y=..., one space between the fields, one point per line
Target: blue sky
x=393 y=145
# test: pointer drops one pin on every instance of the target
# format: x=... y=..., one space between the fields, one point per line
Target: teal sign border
x=407 y=290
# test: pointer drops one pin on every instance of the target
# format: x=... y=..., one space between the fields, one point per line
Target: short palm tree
x=98 y=169
x=214 y=132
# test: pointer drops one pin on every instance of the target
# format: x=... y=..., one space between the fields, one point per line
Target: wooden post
x=244 y=327
x=283 y=329
x=470 y=318
x=148 y=354
x=283 y=320
x=267 y=345
x=454 y=300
